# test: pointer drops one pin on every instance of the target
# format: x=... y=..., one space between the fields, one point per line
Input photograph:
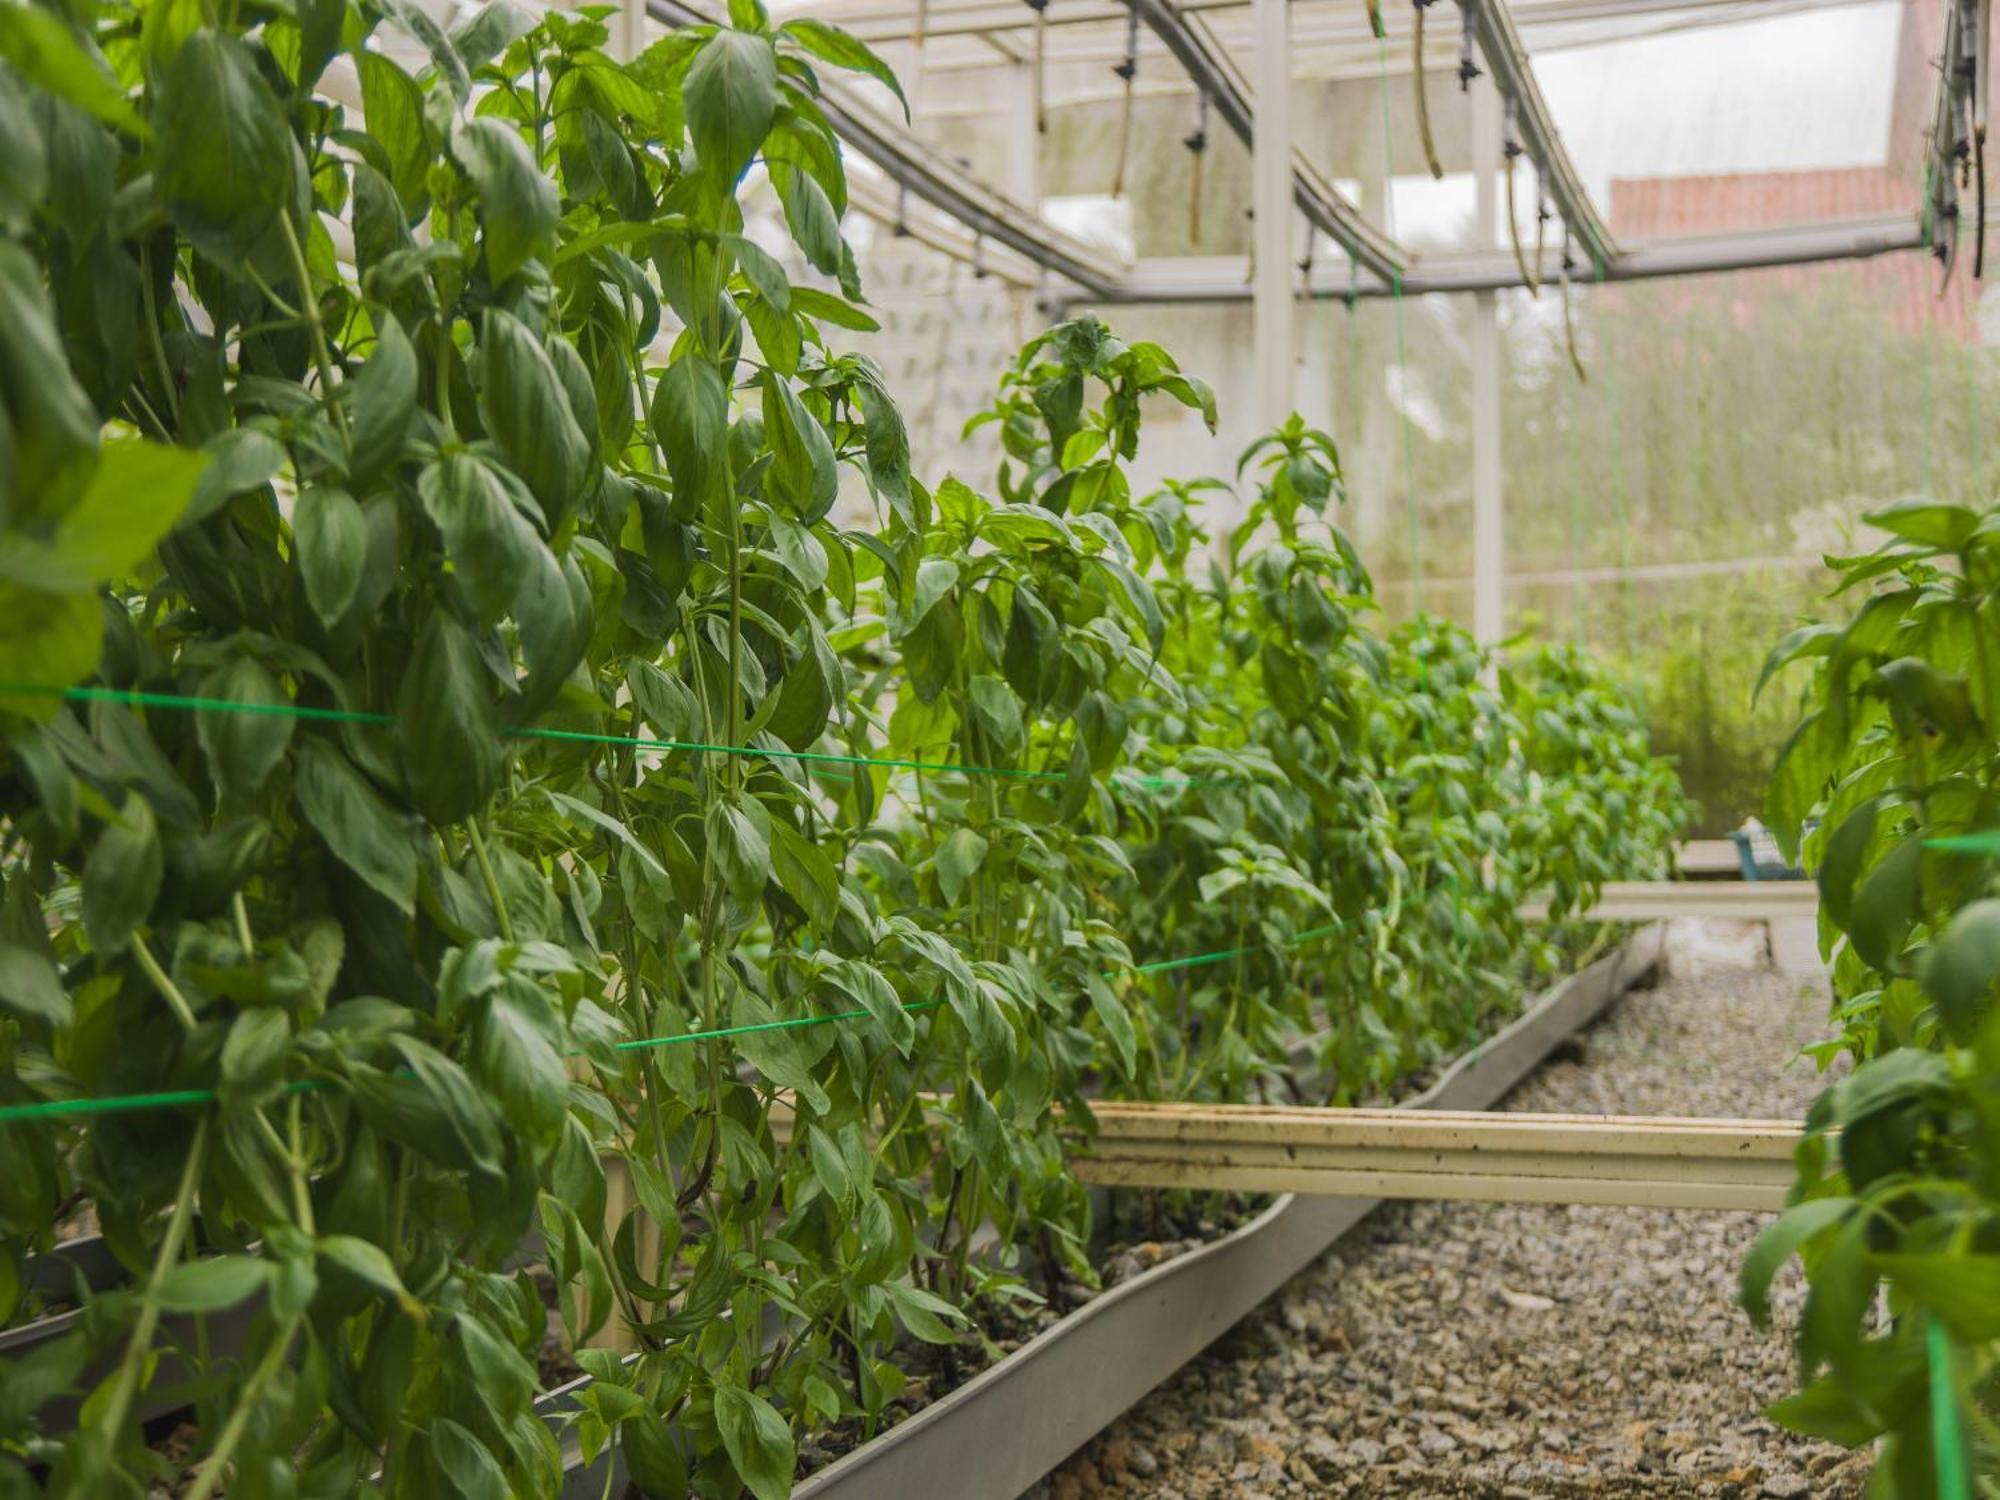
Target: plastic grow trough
x=1004 y=1429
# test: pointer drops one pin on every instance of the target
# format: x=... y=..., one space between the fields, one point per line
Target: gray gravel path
x=1472 y=1350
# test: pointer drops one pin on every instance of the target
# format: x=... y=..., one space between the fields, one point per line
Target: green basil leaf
x=690 y=417
x=1777 y=1244
x=122 y=877
x=368 y=1264
x=361 y=829
x=464 y=1467
x=381 y=400
x=526 y=409
x=757 y=1440
x=394 y=106
x=47 y=639
x=1962 y=964
x=213 y=1284
x=740 y=847
x=731 y=97
x=517 y=201
x=49 y=448
x=330 y=546
x=50 y=57
x=31 y=987
x=492 y=547
x=447 y=724
x=802 y=462
x=958 y=860
x=135 y=495
x=225 y=158
x=844 y=50
x=253 y=1055
x=243 y=746
x=655 y=1463
x=517 y=1064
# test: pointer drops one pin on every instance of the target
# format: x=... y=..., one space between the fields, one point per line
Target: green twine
x=1947 y=1436
x=188 y=703
x=115 y=1104
x=1575 y=511
x=1618 y=497
x=1986 y=842
x=1402 y=356
x=1223 y=955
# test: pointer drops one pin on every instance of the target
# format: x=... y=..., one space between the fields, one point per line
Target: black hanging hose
x=1542 y=217
x=1569 y=321
x=1510 y=149
x=1982 y=87
x=1197 y=142
x=1041 y=10
x=1423 y=99
x=1127 y=70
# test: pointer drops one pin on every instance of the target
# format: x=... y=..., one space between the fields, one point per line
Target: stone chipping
x=1516 y=1352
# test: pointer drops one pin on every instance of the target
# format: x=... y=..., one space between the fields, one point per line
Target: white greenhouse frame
x=1008 y=237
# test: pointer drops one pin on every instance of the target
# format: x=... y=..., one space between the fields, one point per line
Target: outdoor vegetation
x=471 y=823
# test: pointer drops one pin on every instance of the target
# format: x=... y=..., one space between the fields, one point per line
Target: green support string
x=115 y=1104
x=1575 y=512
x=1618 y=497
x=1947 y=1433
x=1402 y=356
x=188 y=703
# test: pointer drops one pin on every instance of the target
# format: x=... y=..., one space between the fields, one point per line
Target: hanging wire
x=1128 y=70
x=1403 y=373
x=1569 y=321
x=1608 y=358
x=1575 y=498
x=1196 y=142
x=189 y=703
x=1543 y=213
x=1510 y=150
x=1041 y=10
x=1980 y=18
x=91 y=1106
x=1423 y=94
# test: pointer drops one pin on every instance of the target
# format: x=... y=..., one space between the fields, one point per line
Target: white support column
x=1271 y=197
x=628 y=30
x=1489 y=544
x=1024 y=141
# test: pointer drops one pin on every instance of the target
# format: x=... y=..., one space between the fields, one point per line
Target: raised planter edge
x=1001 y=1431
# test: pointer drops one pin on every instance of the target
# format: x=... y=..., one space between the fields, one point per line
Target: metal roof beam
x=1501 y=44
x=1954 y=121
x=1317 y=198
x=877 y=23
x=939 y=180
x=1222 y=278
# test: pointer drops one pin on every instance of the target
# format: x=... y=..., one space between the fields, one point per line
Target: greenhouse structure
x=998 y=749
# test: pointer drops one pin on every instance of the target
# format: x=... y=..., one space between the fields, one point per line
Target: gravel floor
x=1471 y=1350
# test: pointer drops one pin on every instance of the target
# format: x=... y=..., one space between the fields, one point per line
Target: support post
x=628 y=30
x=1489 y=532
x=1271 y=198
x=1024 y=141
